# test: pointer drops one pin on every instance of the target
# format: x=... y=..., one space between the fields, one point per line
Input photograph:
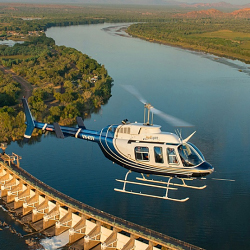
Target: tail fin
x=29 y=119
x=80 y=123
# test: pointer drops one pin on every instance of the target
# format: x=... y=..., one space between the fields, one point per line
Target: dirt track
x=26 y=86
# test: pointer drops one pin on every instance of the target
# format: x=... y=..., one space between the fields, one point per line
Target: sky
x=236 y=2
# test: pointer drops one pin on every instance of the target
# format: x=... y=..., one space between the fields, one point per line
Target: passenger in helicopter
x=158 y=155
x=158 y=158
x=145 y=157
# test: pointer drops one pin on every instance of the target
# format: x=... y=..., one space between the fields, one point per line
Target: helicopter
x=141 y=148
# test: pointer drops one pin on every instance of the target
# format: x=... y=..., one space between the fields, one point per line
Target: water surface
x=9 y=42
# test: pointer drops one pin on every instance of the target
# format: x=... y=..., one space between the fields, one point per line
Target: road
x=26 y=86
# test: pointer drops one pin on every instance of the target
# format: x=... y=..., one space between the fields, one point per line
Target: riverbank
x=191 y=48
x=218 y=37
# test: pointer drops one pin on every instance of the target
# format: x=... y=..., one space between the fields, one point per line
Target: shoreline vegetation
x=65 y=83
x=62 y=83
x=215 y=37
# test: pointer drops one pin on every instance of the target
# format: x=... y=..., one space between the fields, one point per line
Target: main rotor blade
x=168 y=118
x=134 y=92
x=171 y=119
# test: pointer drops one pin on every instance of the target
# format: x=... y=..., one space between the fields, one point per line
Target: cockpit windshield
x=189 y=156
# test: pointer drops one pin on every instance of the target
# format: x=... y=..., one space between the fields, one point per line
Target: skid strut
x=173 y=184
x=167 y=187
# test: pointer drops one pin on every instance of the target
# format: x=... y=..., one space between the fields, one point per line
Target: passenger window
x=172 y=158
x=158 y=155
x=141 y=154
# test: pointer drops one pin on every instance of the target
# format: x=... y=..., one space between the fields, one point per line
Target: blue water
x=201 y=89
x=7 y=239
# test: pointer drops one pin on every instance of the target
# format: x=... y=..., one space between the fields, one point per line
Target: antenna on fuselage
x=178 y=132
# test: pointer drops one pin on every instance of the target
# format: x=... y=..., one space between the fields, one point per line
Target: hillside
x=221 y=5
x=202 y=14
x=243 y=13
x=214 y=13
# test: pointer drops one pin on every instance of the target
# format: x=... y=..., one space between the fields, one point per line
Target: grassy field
x=227 y=34
x=243 y=39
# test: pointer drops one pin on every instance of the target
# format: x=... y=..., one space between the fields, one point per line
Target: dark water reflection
x=210 y=94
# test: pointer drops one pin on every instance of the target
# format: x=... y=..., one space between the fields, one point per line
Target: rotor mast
x=147 y=107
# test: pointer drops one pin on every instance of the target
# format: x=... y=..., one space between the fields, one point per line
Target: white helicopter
x=140 y=147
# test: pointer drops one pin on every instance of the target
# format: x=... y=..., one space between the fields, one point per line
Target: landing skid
x=173 y=184
x=153 y=196
x=153 y=184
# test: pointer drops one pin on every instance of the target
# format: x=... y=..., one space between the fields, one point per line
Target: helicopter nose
x=206 y=167
x=211 y=169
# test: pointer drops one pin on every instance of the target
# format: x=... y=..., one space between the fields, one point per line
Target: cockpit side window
x=189 y=156
x=142 y=153
x=158 y=155
x=172 y=158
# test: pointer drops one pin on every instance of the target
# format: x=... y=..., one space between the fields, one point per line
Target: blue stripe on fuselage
x=86 y=134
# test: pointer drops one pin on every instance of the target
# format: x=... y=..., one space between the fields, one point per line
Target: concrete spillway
x=51 y=212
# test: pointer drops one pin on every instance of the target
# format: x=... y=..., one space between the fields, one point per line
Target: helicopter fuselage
x=143 y=148
x=138 y=147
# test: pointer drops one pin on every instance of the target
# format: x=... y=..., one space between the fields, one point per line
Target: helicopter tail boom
x=60 y=131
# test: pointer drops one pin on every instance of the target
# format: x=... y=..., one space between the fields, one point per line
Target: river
x=210 y=92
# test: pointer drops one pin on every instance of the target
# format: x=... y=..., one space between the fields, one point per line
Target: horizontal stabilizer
x=80 y=122
x=58 y=131
x=29 y=119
